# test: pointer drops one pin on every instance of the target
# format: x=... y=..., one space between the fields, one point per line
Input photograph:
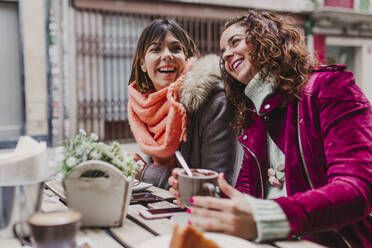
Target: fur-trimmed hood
x=204 y=77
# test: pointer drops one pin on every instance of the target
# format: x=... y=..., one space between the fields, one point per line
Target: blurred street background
x=65 y=64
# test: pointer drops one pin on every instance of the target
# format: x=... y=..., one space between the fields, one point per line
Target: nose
x=227 y=55
x=166 y=54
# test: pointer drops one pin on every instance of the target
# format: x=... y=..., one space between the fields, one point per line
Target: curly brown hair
x=278 y=50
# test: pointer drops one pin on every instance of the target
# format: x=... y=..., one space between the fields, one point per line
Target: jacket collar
x=201 y=80
x=270 y=103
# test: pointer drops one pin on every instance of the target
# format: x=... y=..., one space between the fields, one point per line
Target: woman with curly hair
x=307 y=135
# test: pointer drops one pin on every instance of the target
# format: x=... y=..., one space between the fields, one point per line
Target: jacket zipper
x=258 y=165
x=307 y=172
x=301 y=150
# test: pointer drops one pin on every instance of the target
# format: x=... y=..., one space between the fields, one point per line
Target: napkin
x=26 y=163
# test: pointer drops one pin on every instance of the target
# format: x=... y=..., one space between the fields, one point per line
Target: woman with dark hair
x=306 y=131
x=177 y=102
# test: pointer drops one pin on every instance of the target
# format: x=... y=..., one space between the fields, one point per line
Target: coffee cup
x=55 y=229
x=203 y=182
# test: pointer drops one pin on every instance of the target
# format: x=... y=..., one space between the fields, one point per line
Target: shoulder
x=333 y=82
x=201 y=81
x=216 y=108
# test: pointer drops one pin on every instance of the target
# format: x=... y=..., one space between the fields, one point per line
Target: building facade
x=75 y=56
x=342 y=34
x=102 y=40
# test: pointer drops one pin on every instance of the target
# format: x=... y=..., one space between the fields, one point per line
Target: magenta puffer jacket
x=327 y=141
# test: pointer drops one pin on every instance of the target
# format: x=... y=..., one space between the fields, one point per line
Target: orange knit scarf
x=157 y=119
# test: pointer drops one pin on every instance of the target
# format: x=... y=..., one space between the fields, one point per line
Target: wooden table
x=135 y=229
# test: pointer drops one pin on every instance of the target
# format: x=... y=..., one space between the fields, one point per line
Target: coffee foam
x=54 y=218
x=200 y=173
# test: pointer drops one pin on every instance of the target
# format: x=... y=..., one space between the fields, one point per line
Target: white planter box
x=103 y=201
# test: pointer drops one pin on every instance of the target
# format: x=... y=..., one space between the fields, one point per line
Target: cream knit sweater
x=271 y=221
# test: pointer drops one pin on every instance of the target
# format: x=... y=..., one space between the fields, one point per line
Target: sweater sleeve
x=156 y=175
x=270 y=219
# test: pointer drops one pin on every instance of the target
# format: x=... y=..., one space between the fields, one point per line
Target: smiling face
x=235 y=54
x=164 y=61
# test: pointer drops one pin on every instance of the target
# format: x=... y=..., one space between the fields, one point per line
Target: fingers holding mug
x=173 y=182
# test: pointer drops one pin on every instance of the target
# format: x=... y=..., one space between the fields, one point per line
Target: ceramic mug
x=203 y=182
x=55 y=229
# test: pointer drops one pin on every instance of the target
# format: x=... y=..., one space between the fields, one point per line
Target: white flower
x=82 y=131
x=94 y=136
x=71 y=161
x=95 y=155
x=79 y=151
x=118 y=162
x=82 y=148
x=107 y=151
x=86 y=146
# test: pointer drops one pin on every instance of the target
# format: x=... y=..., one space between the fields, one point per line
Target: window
x=364 y=4
x=11 y=95
x=340 y=3
x=341 y=55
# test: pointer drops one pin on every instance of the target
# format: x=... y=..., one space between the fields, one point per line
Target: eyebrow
x=229 y=41
x=158 y=43
x=154 y=43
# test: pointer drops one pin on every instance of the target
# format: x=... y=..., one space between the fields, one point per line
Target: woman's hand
x=173 y=182
x=232 y=216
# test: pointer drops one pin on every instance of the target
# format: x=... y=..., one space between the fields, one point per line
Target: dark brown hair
x=278 y=50
x=157 y=29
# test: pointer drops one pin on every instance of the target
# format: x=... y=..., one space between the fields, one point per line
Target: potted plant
x=98 y=179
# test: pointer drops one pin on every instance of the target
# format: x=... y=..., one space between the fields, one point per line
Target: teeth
x=167 y=69
x=237 y=64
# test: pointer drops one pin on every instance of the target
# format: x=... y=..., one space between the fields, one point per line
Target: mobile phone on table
x=157 y=213
x=143 y=197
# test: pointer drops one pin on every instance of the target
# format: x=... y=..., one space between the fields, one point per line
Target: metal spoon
x=183 y=163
